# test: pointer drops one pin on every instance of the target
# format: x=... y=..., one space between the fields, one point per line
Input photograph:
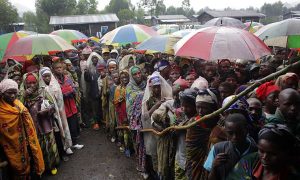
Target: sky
x=24 y=5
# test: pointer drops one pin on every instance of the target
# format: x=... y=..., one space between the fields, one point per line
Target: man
x=224 y=155
x=288 y=111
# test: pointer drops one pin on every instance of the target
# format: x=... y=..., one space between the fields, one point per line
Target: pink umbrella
x=213 y=43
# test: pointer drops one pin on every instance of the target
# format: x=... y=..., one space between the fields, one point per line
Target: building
x=242 y=15
x=291 y=14
x=91 y=25
x=167 y=19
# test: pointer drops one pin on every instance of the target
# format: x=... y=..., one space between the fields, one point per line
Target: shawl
x=17 y=133
x=132 y=90
x=123 y=64
x=54 y=90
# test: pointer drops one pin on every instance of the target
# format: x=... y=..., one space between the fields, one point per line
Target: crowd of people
x=45 y=105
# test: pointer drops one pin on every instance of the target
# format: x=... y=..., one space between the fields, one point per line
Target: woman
x=42 y=109
x=275 y=158
x=120 y=107
x=48 y=81
x=18 y=135
x=134 y=97
x=197 y=137
x=268 y=93
x=127 y=62
x=107 y=82
x=158 y=91
x=288 y=80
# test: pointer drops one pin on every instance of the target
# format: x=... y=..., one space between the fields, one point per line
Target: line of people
x=255 y=138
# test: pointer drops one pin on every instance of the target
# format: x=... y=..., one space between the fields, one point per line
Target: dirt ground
x=98 y=160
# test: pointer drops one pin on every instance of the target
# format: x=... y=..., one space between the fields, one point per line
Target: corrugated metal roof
x=83 y=19
x=234 y=13
x=171 y=17
x=174 y=20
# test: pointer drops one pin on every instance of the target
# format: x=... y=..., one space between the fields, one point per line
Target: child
x=120 y=107
x=112 y=112
x=224 y=155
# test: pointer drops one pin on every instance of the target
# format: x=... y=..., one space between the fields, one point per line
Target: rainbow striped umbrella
x=71 y=36
x=131 y=33
x=40 y=44
x=162 y=43
x=7 y=41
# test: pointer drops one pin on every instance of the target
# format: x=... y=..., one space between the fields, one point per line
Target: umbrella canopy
x=283 y=34
x=162 y=43
x=226 y=21
x=40 y=44
x=183 y=32
x=213 y=43
x=131 y=33
x=71 y=36
x=7 y=41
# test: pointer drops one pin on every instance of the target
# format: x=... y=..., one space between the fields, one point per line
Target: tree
x=171 y=10
x=8 y=15
x=86 y=7
x=116 y=5
x=140 y=13
x=126 y=16
x=156 y=7
x=30 y=20
x=57 y=7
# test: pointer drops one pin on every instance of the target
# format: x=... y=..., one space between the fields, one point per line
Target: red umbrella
x=213 y=43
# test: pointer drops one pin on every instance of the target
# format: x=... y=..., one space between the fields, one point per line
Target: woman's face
x=95 y=60
x=32 y=85
x=204 y=108
x=156 y=91
x=174 y=76
x=137 y=76
x=210 y=71
x=115 y=77
x=58 y=69
x=47 y=78
x=272 y=100
x=270 y=155
x=130 y=63
x=10 y=95
x=124 y=78
x=112 y=67
x=190 y=79
x=225 y=66
x=188 y=108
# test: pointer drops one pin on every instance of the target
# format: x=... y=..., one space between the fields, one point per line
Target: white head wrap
x=200 y=83
x=7 y=84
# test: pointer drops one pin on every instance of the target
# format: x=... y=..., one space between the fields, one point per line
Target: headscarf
x=133 y=90
x=200 y=83
x=55 y=92
x=281 y=80
x=7 y=84
x=87 y=50
x=31 y=78
x=114 y=51
x=190 y=94
x=166 y=90
x=207 y=96
x=161 y=65
x=181 y=84
x=279 y=134
x=264 y=90
x=123 y=64
x=67 y=61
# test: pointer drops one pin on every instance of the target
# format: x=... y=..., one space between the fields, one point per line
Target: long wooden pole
x=221 y=110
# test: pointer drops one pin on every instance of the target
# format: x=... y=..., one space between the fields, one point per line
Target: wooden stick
x=221 y=110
